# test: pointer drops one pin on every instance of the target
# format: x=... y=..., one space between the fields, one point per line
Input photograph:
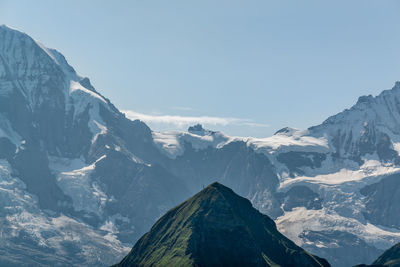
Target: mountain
x=74 y=181
x=390 y=257
x=336 y=183
x=80 y=183
x=216 y=227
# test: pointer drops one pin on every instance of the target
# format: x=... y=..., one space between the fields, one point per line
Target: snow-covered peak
x=289 y=139
x=382 y=110
x=27 y=61
x=371 y=126
x=29 y=67
x=22 y=53
x=48 y=92
x=286 y=131
x=17 y=45
x=173 y=143
x=5 y=27
x=41 y=74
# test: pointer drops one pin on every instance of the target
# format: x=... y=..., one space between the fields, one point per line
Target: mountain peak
x=286 y=131
x=219 y=186
x=23 y=56
x=5 y=27
x=217 y=227
x=363 y=128
x=365 y=99
x=371 y=98
x=199 y=130
x=225 y=196
x=14 y=37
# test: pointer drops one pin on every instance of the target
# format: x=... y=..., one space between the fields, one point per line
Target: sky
x=247 y=68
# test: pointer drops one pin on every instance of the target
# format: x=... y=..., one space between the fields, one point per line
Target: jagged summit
x=286 y=131
x=370 y=98
x=199 y=130
x=371 y=127
x=364 y=99
x=216 y=227
x=383 y=104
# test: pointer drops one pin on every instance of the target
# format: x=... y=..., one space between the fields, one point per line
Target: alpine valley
x=80 y=183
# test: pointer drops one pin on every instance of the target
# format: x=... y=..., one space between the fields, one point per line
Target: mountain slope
x=216 y=227
x=390 y=257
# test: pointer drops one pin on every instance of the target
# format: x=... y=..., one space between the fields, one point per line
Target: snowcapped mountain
x=80 y=183
x=69 y=173
x=337 y=183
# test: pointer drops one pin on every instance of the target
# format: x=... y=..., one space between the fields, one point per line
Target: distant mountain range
x=216 y=227
x=80 y=183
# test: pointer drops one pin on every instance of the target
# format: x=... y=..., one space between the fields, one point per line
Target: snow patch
x=97 y=129
x=396 y=147
x=172 y=143
x=295 y=141
x=76 y=86
x=292 y=224
x=73 y=177
x=370 y=168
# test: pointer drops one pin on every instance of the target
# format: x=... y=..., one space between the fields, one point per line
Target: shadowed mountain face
x=390 y=258
x=216 y=227
x=380 y=198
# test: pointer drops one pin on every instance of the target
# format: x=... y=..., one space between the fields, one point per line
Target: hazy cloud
x=184 y=121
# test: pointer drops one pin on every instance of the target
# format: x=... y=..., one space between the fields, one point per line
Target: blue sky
x=247 y=68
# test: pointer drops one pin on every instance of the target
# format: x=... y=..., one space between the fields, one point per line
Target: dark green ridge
x=216 y=227
x=390 y=257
